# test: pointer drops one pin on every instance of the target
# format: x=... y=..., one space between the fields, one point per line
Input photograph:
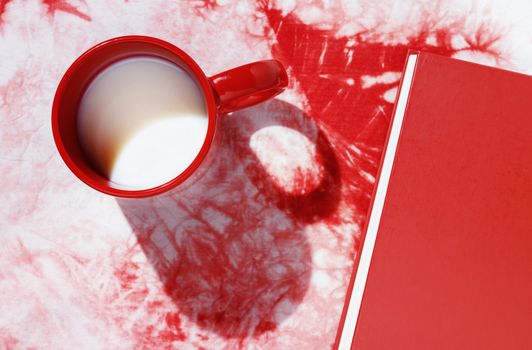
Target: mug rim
x=202 y=81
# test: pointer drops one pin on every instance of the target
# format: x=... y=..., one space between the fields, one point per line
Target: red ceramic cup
x=223 y=93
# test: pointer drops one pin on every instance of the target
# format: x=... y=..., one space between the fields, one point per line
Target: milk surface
x=142 y=121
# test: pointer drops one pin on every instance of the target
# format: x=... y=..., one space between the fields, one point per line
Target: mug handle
x=248 y=85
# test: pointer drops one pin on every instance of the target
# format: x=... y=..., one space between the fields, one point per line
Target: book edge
x=353 y=300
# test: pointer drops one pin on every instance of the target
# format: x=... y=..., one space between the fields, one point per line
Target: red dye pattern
x=152 y=337
x=3 y=4
x=174 y=332
x=127 y=275
x=306 y=206
x=8 y=342
x=321 y=63
x=65 y=6
x=201 y=8
x=207 y=5
x=302 y=180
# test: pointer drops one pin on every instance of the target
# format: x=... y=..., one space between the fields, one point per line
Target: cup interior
x=81 y=74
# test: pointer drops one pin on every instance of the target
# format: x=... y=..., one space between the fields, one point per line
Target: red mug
x=226 y=92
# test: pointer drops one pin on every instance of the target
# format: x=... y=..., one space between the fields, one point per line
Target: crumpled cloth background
x=259 y=253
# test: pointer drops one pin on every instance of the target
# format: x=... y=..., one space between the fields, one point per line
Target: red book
x=447 y=254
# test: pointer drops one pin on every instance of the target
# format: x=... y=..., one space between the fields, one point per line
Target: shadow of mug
x=231 y=250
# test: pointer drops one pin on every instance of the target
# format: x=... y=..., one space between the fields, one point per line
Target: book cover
x=446 y=261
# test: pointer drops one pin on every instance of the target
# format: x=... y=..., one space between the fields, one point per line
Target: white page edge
x=355 y=300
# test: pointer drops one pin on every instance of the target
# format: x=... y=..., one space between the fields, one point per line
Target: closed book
x=446 y=261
